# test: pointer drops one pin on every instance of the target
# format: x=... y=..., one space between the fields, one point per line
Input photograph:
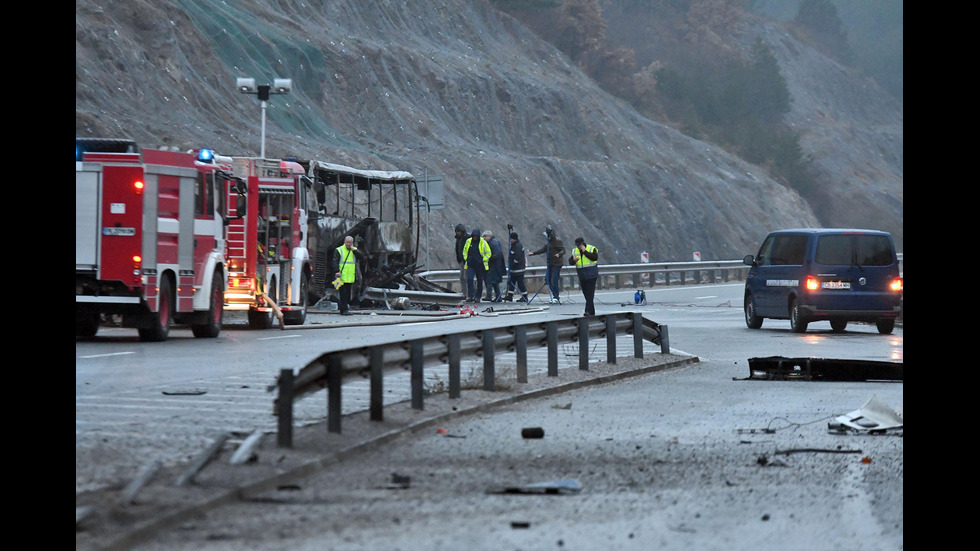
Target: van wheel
x=161 y=321
x=751 y=320
x=216 y=311
x=886 y=326
x=838 y=325
x=797 y=323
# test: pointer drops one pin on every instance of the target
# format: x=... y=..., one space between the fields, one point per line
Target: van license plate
x=836 y=284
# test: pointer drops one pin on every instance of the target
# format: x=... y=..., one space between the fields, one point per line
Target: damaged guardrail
x=330 y=369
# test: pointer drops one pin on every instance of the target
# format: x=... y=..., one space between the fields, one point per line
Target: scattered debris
x=82 y=514
x=779 y=368
x=556 y=487
x=561 y=406
x=764 y=461
x=202 y=460
x=141 y=480
x=399 y=482
x=532 y=432
x=520 y=524
x=874 y=417
x=185 y=392
x=246 y=451
x=813 y=450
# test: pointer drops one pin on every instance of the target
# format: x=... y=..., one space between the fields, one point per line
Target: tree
x=826 y=31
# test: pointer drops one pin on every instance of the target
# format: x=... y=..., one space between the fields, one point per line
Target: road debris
x=556 y=487
x=532 y=432
x=874 y=417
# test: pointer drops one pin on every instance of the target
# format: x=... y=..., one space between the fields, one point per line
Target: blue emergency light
x=205 y=155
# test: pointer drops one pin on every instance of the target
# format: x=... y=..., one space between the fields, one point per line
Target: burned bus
x=380 y=210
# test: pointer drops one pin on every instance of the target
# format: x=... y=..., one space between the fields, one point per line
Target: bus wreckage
x=381 y=211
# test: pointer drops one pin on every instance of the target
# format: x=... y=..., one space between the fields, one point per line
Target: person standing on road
x=497 y=267
x=555 y=249
x=344 y=262
x=461 y=238
x=585 y=259
x=516 y=265
x=476 y=251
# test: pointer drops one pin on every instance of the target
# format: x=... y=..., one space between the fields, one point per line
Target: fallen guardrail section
x=329 y=370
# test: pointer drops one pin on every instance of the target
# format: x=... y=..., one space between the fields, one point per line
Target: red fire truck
x=150 y=229
x=269 y=265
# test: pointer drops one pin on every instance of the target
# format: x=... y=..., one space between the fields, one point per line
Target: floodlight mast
x=279 y=86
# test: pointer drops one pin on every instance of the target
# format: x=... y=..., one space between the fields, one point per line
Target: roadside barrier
x=330 y=369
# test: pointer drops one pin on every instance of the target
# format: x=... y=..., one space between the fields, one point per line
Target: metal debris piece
x=399 y=482
x=874 y=417
x=185 y=392
x=532 y=432
x=779 y=368
x=556 y=487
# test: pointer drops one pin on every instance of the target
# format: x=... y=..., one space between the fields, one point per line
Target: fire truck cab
x=150 y=229
x=268 y=262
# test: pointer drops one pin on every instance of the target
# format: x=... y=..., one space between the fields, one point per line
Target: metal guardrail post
x=552 y=330
x=611 y=338
x=284 y=403
x=454 y=359
x=520 y=347
x=664 y=340
x=637 y=335
x=583 y=344
x=334 y=378
x=417 y=359
x=377 y=383
x=488 y=356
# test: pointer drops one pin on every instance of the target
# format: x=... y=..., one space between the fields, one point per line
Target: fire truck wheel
x=216 y=310
x=86 y=325
x=161 y=321
x=264 y=320
x=298 y=317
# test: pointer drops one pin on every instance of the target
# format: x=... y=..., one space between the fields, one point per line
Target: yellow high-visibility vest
x=347 y=265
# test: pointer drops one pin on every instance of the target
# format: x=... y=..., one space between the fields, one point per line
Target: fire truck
x=150 y=230
x=268 y=262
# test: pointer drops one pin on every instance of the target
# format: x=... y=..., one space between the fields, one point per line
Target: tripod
x=547 y=271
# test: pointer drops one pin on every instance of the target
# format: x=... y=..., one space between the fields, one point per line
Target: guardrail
x=642 y=275
x=330 y=369
x=613 y=275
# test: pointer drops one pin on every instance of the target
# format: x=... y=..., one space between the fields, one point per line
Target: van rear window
x=848 y=249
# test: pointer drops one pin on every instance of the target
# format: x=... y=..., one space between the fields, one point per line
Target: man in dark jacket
x=555 y=250
x=461 y=238
x=516 y=265
x=497 y=267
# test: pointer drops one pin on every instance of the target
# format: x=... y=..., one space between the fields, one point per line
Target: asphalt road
x=688 y=457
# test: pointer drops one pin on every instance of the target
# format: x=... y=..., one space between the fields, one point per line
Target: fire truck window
x=209 y=196
x=199 y=195
x=221 y=194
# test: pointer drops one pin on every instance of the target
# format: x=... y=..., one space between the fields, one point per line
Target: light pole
x=279 y=86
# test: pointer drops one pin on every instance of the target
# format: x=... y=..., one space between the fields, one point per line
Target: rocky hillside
x=458 y=90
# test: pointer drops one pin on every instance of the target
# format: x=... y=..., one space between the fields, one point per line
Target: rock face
x=453 y=89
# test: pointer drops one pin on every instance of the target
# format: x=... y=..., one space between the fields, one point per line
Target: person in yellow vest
x=476 y=251
x=344 y=262
x=585 y=258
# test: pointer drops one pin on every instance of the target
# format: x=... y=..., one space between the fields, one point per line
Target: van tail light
x=812 y=284
x=896 y=285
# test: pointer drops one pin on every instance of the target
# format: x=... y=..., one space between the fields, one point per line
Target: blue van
x=816 y=274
